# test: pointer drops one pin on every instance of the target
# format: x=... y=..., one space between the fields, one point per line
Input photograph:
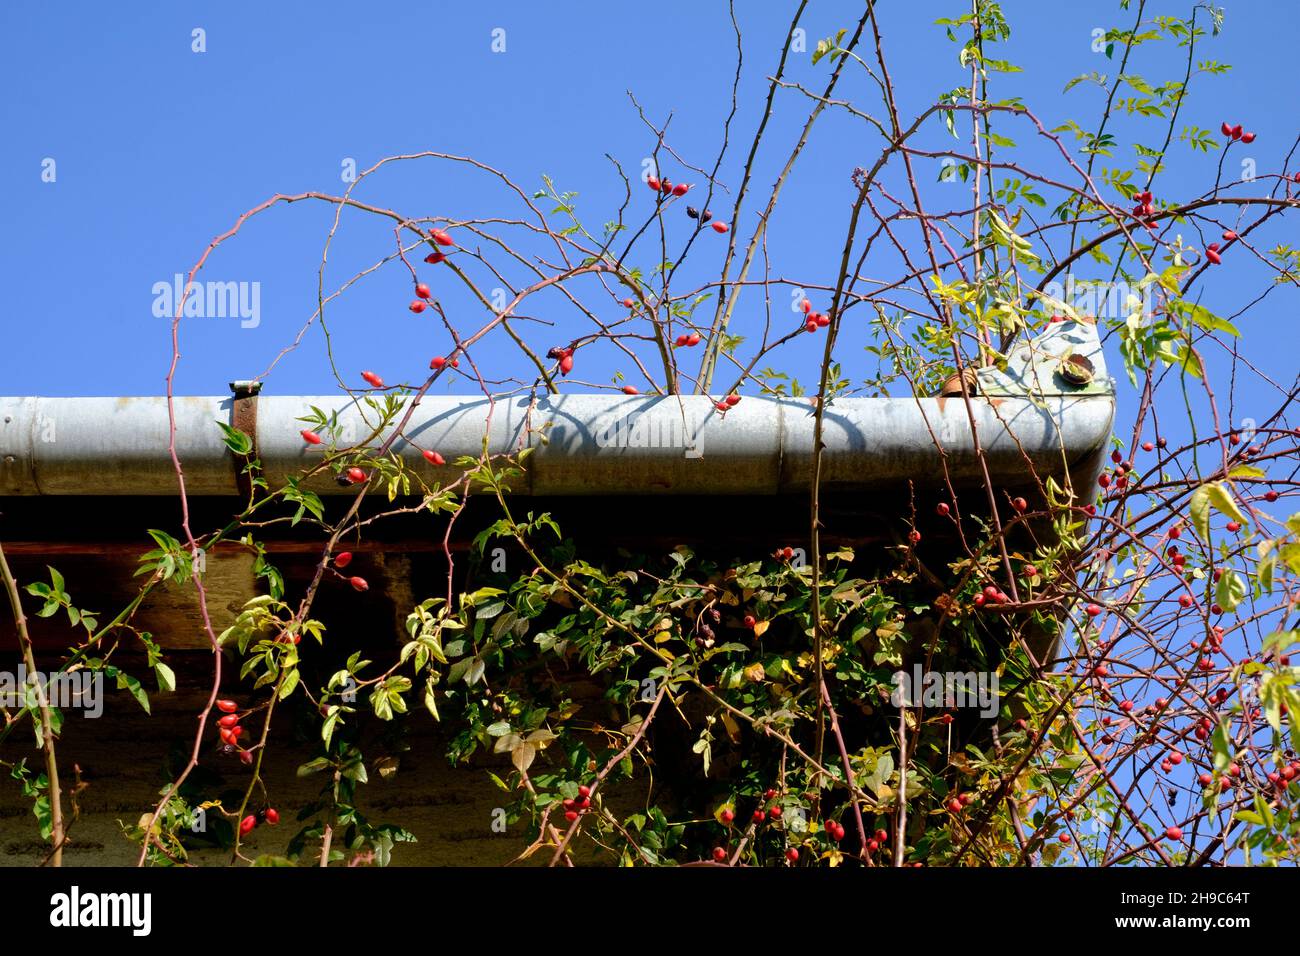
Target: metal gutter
x=592 y=444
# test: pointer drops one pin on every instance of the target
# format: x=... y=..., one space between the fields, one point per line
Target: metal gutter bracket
x=243 y=415
x=1065 y=359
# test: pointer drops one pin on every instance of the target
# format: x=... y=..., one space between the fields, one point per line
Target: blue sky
x=159 y=148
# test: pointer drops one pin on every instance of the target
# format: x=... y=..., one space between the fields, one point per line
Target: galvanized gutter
x=592 y=444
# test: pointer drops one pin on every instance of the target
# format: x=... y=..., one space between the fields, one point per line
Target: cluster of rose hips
x=878 y=839
x=1174 y=758
x=575 y=807
x=773 y=811
x=246 y=825
x=357 y=476
x=565 y=357
x=704 y=635
x=422 y=291
x=1119 y=475
x=1213 y=251
x=813 y=320
x=1236 y=133
x=1144 y=209
x=730 y=401
x=783 y=554
x=958 y=802
x=665 y=188
x=727 y=815
x=342 y=560
x=1281 y=778
x=1286 y=776
x=991 y=596
x=228 y=728
x=1152 y=446
x=687 y=340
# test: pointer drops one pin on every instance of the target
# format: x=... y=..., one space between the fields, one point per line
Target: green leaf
x=1247 y=471
x=235 y=440
x=166 y=677
x=1222 y=746
x=1222 y=499
x=1190 y=362
x=1279 y=641
x=1215 y=495
x=827 y=46
x=1230 y=591
x=313 y=766
x=430 y=704
x=1207 y=320
x=327 y=728
x=1265 y=568
x=128 y=683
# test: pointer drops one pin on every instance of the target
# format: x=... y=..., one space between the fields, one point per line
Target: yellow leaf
x=760 y=628
x=522 y=757
x=733 y=729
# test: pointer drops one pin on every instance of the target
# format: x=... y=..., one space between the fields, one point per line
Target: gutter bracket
x=1033 y=367
x=243 y=416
